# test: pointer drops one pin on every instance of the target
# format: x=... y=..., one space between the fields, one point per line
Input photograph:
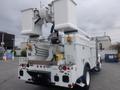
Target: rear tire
x=86 y=78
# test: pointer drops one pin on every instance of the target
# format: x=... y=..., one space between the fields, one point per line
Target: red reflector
x=64 y=68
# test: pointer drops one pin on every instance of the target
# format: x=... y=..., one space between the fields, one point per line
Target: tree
x=116 y=47
x=1 y=52
x=14 y=52
x=24 y=53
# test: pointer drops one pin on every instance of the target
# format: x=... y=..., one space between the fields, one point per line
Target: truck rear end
x=47 y=72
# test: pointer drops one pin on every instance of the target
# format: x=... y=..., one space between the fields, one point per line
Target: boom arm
x=61 y=12
x=33 y=20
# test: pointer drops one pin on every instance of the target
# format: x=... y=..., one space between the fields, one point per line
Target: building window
x=100 y=46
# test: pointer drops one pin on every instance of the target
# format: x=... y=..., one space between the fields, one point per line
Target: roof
x=103 y=38
x=6 y=33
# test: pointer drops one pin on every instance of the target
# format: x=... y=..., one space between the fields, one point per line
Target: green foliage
x=116 y=47
x=24 y=53
x=1 y=53
x=13 y=51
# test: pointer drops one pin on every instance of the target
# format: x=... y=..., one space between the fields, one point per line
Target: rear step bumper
x=40 y=76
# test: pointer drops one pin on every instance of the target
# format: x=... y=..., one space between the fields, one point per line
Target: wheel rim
x=88 y=78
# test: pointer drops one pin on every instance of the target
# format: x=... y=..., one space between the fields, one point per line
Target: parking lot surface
x=107 y=79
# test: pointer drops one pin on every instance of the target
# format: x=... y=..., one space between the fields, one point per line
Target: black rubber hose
x=56 y=32
x=37 y=20
x=52 y=28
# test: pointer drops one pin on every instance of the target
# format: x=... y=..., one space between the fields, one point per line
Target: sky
x=94 y=16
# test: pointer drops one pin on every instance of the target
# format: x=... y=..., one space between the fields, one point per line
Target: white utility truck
x=64 y=58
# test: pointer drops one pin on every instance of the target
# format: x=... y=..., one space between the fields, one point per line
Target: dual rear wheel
x=87 y=75
x=86 y=79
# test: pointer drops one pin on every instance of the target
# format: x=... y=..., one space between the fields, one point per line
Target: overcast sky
x=95 y=16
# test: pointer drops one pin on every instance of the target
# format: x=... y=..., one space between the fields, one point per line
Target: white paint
x=77 y=53
x=65 y=15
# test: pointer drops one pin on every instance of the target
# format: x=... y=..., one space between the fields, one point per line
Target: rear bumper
x=40 y=76
x=53 y=76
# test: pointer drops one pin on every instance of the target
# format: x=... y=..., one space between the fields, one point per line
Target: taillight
x=64 y=68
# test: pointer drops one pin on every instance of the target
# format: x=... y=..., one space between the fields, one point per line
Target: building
x=7 y=40
x=103 y=42
x=103 y=46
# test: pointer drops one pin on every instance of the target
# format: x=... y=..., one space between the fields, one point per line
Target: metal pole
x=96 y=48
x=2 y=43
x=13 y=41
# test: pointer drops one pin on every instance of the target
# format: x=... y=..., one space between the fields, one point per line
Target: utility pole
x=13 y=40
x=2 y=43
x=96 y=47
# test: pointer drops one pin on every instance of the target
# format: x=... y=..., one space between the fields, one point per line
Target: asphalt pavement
x=107 y=79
